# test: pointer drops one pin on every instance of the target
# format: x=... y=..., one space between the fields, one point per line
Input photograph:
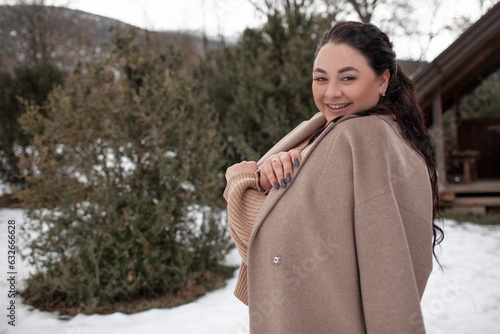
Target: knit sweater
x=243 y=203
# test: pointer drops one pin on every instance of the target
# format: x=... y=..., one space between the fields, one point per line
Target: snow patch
x=464 y=299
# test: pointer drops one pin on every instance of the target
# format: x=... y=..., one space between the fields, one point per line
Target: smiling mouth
x=337 y=107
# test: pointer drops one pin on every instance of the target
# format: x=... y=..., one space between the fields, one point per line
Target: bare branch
x=364 y=9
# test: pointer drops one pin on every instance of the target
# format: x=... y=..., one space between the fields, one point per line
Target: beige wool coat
x=346 y=247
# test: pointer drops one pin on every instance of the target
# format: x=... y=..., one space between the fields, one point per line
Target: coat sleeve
x=380 y=169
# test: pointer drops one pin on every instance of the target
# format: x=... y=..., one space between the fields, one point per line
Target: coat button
x=277 y=260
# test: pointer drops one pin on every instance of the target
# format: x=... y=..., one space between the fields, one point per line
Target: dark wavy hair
x=400 y=100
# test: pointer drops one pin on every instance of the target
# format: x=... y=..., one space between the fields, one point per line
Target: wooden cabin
x=474 y=186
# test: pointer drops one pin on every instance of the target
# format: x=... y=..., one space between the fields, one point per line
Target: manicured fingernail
x=296 y=161
x=276 y=185
x=283 y=183
x=288 y=177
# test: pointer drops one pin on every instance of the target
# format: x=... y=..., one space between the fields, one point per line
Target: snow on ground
x=465 y=299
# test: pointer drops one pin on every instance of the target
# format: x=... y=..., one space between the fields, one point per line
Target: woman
x=335 y=223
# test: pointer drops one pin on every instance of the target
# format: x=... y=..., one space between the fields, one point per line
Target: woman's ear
x=384 y=82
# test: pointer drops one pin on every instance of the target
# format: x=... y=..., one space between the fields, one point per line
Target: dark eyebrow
x=342 y=70
x=319 y=69
x=348 y=68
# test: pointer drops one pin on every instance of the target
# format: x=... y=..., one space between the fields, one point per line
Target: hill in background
x=35 y=34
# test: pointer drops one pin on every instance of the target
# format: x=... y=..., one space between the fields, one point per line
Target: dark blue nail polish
x=288 y=177
x=296 y=161
x=276 y=185
x=283 y=183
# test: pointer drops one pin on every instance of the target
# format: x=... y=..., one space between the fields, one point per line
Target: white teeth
x=338 y=106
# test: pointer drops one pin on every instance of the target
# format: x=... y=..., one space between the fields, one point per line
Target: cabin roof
x=463 y=65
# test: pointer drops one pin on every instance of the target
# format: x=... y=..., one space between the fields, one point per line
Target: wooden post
x=437 y=118
x=458 y=115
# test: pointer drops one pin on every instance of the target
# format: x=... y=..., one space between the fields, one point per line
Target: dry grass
x=138 y=304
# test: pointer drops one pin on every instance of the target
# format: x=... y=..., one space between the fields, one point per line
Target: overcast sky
x=231 y=17
x=227 y=17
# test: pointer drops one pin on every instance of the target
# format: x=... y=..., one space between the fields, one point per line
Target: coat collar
x=296 y=136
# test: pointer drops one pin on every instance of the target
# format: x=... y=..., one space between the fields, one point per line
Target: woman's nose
x=333 y=90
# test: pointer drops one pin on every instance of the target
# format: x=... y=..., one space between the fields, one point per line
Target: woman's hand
x=240 y=168
x=278 y=169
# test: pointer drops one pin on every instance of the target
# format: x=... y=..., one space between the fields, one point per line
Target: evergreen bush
x=123 y=185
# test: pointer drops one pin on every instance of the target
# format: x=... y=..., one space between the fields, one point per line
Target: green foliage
x=262 y=86
x=27 y=84
x=128 y=152
x=483 y=101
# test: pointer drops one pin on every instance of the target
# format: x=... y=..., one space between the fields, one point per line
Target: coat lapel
x=296 y=136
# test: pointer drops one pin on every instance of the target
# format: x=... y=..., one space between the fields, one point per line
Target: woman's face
x=344 y=82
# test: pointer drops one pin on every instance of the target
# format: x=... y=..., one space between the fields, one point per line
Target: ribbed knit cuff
x=250 y=180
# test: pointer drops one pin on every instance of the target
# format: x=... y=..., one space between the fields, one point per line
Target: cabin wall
x=482 y=135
